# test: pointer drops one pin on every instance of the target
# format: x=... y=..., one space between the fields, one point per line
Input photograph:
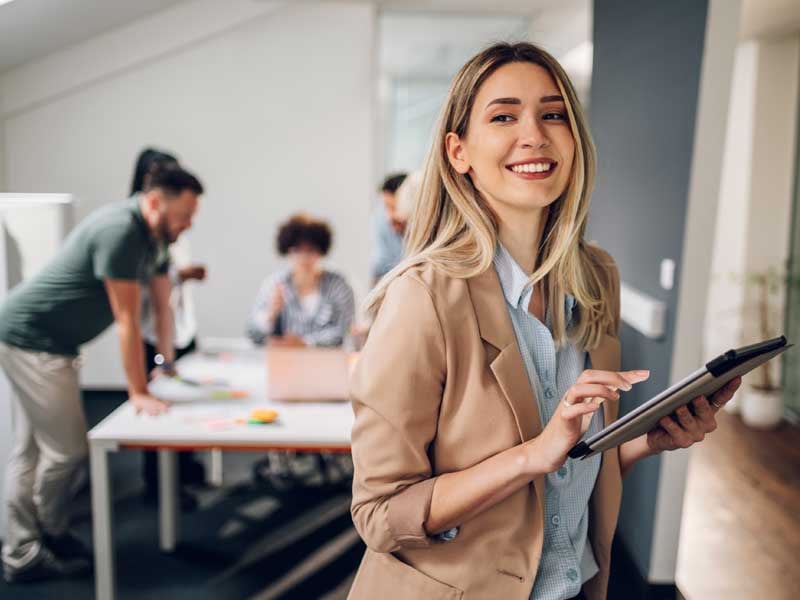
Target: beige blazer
x=441 y=386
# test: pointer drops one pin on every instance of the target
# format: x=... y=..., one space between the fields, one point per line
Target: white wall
x=723 y=328
x=755 y=204
x=2 y=151
x=773 y=163
x=271 y=104
x=704 y=188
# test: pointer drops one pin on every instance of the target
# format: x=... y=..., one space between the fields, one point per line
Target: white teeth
x=532 y=168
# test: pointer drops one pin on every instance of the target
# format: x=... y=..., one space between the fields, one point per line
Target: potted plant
x=761 y=402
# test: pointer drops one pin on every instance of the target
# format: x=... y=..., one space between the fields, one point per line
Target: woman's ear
x=456 y=153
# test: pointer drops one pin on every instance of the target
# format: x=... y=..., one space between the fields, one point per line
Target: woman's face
x=519 y=148
x=304 y=258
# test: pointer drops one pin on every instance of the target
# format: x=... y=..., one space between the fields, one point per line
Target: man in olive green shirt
x=95 y=280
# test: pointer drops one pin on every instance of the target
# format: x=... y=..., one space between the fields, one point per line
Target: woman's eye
x=502 y=118
x=555 y=116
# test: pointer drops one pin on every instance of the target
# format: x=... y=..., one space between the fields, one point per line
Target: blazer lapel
x=508 y=367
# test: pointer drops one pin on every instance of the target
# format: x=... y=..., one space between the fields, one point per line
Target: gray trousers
x=49 y=447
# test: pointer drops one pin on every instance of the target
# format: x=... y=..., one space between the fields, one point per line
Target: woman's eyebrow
x=504 y=101
x=543 y=100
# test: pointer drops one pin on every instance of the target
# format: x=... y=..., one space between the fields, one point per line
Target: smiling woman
x=494 y=349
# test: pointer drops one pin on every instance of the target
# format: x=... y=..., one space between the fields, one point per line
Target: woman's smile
x=533 y=168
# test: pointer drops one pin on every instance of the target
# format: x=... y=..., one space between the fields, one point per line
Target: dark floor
x=245 y=542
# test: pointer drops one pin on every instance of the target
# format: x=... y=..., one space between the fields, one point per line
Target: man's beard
x=166 y=235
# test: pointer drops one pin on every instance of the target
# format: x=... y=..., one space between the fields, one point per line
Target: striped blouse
x=326 y=324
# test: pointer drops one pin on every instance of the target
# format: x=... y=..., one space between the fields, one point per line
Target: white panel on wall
x=274 y=114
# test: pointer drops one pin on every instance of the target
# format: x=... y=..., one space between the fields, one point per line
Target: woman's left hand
x=682 y=428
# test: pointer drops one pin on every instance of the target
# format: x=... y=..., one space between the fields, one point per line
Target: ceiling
x=769 y=18
x=30 y=29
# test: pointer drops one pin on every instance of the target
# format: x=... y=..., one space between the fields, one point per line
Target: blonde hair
x=455 y=230
x=407 y=195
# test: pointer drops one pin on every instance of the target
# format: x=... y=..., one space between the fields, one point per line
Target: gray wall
x=647 y=60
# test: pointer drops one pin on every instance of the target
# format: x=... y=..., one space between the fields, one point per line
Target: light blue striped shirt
x=328 y=324
x=388 y=244
x=567 y=559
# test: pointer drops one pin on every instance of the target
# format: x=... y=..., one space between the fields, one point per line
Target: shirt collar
x=515 y=283
x=136 y=210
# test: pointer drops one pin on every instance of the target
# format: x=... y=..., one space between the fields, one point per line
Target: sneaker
x=67 y=546
x=47 y=566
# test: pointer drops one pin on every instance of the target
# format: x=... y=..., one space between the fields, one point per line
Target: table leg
x=215 y=470
x=102 y=508
x=168 y=499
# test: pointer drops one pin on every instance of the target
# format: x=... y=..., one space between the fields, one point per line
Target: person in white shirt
x=181 y=271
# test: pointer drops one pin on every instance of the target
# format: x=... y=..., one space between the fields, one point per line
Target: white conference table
x=202 y=418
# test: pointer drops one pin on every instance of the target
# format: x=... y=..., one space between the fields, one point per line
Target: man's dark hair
x=148 y=162
x=302 y=229
x=392 y=182
x=174 y=180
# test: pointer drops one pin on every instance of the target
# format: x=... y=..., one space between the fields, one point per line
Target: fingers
x=679 y=437
x=685 y=429
x=623 y=380
x=574 y=411
x=158 y=409
x=723 y=396
x=704 y=413
x=689 y=424
x=582 y=391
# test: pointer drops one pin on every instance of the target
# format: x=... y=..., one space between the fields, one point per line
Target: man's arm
x=160 y=290
x=125 y=297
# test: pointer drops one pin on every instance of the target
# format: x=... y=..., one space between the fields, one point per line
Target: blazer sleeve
x=396 y=393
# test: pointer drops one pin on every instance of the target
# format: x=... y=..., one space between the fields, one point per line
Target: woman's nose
x=533 y=135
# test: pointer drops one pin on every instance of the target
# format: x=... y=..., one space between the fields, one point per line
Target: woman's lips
x=534 y=176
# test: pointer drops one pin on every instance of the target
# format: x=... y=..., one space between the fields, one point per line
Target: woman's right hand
x=276 y=303
x=548 y=451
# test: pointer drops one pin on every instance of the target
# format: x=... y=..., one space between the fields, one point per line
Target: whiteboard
x=32 y=229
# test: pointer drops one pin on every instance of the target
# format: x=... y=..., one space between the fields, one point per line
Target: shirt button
x=572 y=574
x=562 y=472
x=556 y=520
x=548 y=393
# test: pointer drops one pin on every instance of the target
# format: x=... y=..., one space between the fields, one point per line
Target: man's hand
x=147 y=404
x=163 y=372
x=197 y=272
